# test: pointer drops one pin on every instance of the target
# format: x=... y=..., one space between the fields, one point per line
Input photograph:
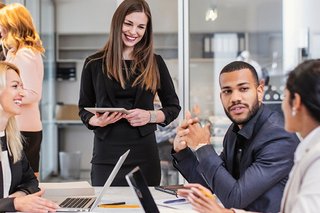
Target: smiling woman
x=127 y=74
x=19 y=189
x=20 y=38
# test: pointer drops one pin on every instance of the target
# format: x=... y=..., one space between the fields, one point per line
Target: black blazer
x=23 y=179
x=96 y=90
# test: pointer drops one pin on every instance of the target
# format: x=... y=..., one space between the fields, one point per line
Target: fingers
x=188 y=115
x=34 y=203
x=106 y=119
x=179 y=142
x=183 y=192
x=138 y=117
x=202 y=199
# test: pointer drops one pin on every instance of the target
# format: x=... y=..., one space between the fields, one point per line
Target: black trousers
x=101 y=172
x=31 y=146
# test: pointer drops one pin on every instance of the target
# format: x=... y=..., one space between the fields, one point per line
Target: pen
x=115 y=203
x=174 y=201
x=209 y=195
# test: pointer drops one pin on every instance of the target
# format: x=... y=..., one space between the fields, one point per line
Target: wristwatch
x=153 y=116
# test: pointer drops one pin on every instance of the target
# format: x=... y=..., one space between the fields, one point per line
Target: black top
x=111 y=141
x=22 y=179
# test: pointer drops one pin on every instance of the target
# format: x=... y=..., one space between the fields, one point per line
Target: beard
x=252 y=111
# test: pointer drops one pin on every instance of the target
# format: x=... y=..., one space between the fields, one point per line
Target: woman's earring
x=293 y=112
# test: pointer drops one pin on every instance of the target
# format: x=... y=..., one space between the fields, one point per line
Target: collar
x=306 y=144
x=248 y=128
x=2 y=133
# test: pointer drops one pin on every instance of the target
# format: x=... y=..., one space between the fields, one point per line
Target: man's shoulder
x=271 y=120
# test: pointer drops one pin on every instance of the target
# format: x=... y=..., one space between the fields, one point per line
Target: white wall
x=94 y=16
x=84 y=16
x=299 y=18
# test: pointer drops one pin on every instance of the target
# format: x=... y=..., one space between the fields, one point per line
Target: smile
x=17 y=102
x=130 y=38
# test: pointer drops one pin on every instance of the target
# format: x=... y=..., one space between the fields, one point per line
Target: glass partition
x=224 y=31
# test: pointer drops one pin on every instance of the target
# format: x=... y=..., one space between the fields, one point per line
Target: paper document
x=79 y=188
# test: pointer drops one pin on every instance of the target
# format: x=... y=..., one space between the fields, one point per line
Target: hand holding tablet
x=102 y=110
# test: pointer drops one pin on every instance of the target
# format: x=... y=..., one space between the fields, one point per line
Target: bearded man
x=252 y=170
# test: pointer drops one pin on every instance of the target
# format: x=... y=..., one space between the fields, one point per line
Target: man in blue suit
x=252 y=170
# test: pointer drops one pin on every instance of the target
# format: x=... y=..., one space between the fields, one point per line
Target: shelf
x=68 y=122
x=78 y=48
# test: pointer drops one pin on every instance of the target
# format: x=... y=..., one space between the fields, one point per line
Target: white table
x=119 y=194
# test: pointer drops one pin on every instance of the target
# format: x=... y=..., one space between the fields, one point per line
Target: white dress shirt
x=6 y=171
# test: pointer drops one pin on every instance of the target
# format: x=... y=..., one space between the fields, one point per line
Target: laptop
x=138 y=183
x=88 y=203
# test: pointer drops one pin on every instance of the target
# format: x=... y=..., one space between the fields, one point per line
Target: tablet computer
x=102 y=110
x=171 y=189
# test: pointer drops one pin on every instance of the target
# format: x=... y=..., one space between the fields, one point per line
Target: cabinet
x=75 y=47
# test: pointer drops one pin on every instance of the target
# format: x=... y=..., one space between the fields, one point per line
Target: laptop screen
x=138 y=183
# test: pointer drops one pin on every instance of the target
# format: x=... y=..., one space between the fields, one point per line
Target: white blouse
x=6 y=171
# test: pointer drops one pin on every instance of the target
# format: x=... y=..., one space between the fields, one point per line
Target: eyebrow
x=15 y=81
x=238 y=85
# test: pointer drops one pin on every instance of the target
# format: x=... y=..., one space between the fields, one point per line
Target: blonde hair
x=18 y=23
x=13 y=135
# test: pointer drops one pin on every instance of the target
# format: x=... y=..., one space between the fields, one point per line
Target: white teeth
x=17 y=101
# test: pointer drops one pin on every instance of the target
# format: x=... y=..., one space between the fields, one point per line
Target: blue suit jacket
x=264 y=167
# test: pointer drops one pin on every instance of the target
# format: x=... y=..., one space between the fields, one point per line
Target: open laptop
x=138 y=183
x=88 y=203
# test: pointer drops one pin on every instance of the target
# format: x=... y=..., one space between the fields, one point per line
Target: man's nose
x=235 y=96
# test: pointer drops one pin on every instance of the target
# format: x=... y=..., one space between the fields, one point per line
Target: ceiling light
x=212 y=14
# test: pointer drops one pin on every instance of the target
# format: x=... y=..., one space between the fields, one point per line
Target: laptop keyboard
x=75 y=202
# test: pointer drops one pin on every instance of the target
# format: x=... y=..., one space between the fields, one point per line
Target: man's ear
x=260 y=92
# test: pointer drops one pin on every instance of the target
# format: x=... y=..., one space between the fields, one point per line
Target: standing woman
x=20 y=38
x=126 y=73
x=19 y=189
x=301 y=107
x=2 y=58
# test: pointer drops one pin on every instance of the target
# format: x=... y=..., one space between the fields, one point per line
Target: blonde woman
x=20 y=38
x=18 y=185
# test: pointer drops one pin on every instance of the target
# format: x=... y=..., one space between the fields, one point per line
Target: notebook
x=88 y=203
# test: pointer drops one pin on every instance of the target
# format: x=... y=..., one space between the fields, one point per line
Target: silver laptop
x=88 y=203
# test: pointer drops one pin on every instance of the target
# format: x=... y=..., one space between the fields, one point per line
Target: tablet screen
x=102 y=110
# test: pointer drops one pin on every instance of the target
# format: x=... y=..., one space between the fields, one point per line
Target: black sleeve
x=87 y=96
x=6 y=205
x=167 y=94
x=29 y=182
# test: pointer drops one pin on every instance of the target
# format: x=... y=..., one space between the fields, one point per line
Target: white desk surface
x=119 y=194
